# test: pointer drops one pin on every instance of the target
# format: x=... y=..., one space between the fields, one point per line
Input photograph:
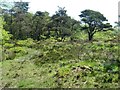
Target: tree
x=118 y=23
x=62 y=24
x=40 y=20
x=94 y=22
x=7 y=11
x=17 y=19
x=59 y=22
x=4 y=35
x=20 y=9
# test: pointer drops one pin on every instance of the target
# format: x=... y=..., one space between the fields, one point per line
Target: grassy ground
x=49 y=63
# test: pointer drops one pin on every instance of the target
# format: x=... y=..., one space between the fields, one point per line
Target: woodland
x=42 y=51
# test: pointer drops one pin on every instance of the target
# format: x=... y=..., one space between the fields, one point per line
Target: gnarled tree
x=94 y=22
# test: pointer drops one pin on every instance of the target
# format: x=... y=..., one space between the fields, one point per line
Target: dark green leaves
x=94 y=20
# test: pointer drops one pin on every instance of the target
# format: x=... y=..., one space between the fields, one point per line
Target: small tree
x=4 y=35
x=94 y=22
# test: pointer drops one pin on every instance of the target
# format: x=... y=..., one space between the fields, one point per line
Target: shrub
x=4 y=35
x=20 y=51
x=28 y=42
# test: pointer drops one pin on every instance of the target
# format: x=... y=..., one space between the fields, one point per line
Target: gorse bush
x=8 y=45
x=20 y=51
x=28 y=42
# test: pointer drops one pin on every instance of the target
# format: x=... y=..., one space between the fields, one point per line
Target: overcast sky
x=109 y=8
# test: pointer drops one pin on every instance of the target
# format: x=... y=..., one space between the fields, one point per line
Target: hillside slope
x=54 y=64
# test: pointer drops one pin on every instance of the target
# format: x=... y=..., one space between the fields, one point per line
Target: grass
x=52 y=64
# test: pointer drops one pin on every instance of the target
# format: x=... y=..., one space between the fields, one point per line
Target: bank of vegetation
x=42 y=51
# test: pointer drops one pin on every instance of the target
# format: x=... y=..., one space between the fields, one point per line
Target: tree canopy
x=23 y=24
x=94 y=22
x=4 y=35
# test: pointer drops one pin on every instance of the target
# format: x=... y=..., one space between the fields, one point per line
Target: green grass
x=49 y=63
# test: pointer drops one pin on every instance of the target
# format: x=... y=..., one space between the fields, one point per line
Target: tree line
x=23 y=24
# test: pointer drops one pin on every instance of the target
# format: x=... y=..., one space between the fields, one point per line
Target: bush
x=4 y=35
x=28 y=43
x=8 y=45
x=20 y=51
x=8 y=54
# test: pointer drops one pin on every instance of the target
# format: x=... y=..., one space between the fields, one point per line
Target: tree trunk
x=90 y=36
x=48 y=34
x=11 y=23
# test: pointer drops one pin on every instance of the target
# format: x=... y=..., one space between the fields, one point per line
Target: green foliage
x=39 y=26
x=8 y=45
x=42 y=59
x=21 y=7
x=93 y=22
x=40 y=21
x=54 y=52
x=63 y=64
x=18 y=20
x=19 y=51
x=4 y=35
x=9 y=55
x=28 y=42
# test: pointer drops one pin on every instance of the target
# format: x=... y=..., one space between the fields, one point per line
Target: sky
x=109 y=8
